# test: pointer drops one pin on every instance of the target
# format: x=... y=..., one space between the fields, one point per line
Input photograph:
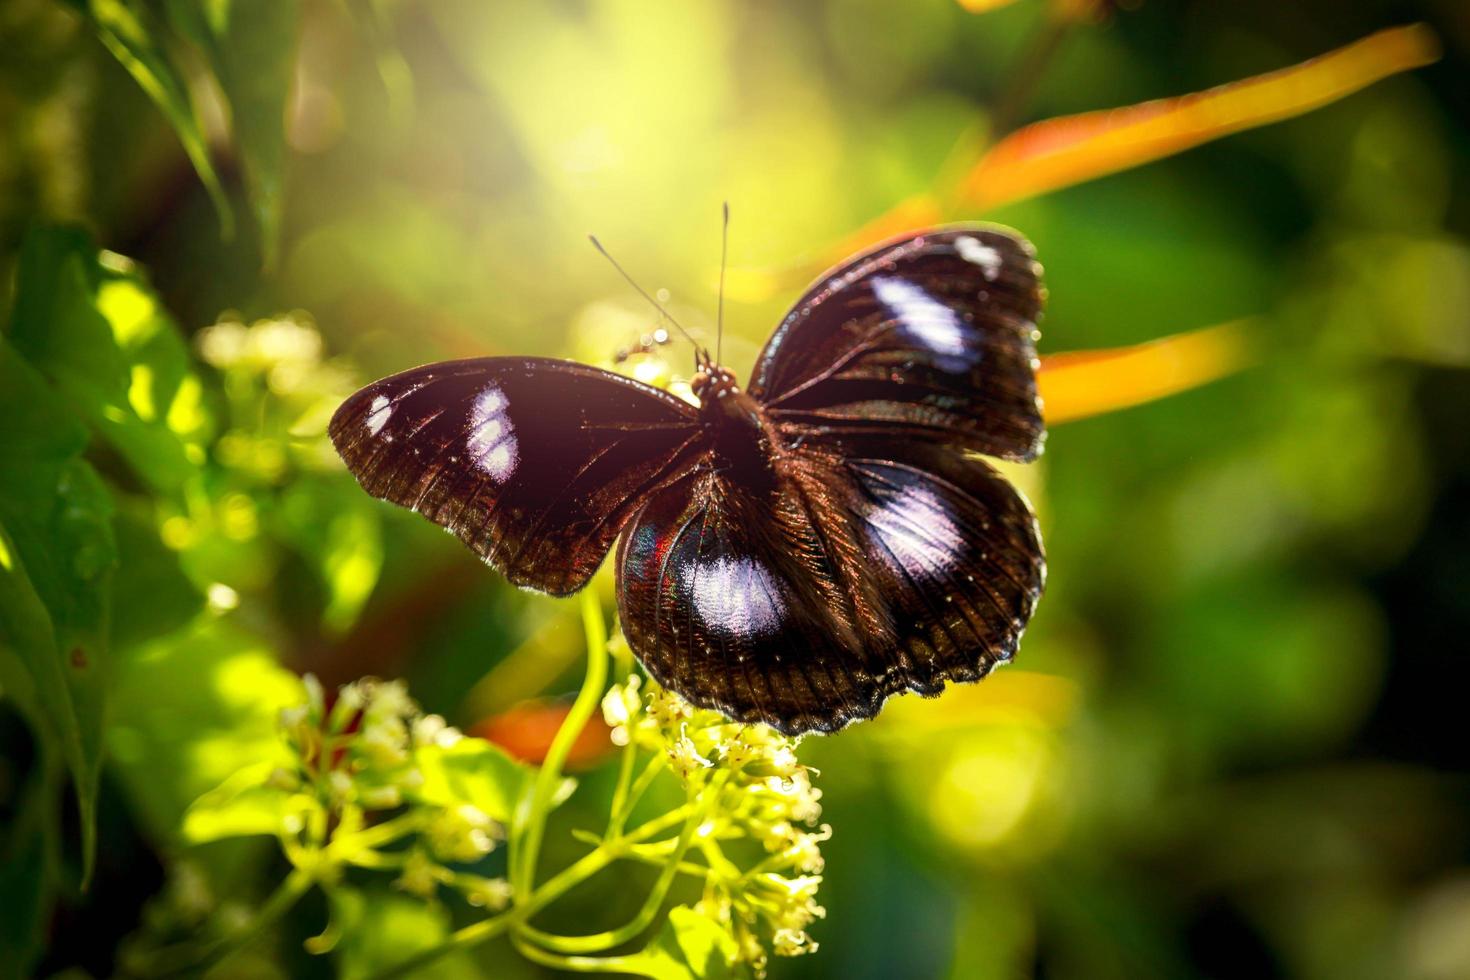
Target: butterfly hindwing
x=536 y=464
x=956 y=551
x=873 y=567
x=930 y=336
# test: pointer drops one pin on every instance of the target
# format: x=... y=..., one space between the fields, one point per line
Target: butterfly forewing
x=875 y=566
x=536 y=464
x=932 y=336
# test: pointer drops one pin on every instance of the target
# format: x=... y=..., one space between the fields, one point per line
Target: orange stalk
x=1084 y=383
x=1057 y=153
x=1071 y=149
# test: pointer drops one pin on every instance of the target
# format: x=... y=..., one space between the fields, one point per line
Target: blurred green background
x=1234 y=741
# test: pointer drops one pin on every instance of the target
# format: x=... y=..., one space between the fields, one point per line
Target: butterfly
x=792 y=552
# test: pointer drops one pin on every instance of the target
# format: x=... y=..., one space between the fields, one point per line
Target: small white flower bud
x=350 y=696
x=461 y=834
x=315 y=697
x=684 y=758
x=340 y=784
x=489 y=893
x=419 y=875
x=792 y=942
x=381 y=797
x=391 y=700
x=283 y=779
x=427 y=728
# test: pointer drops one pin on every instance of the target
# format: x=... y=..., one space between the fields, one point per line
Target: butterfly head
x=713 y=381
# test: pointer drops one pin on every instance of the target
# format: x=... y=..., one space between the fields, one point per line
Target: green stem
x=617 y=815
x=640 y=786
x=479 y=932
x=575 y=964
x=587 y=866
x=528 y=826
x=658 y=860
x=616 y=937
x=296 y=884
x=714 y=856
x=471 y=935
x=380 y=834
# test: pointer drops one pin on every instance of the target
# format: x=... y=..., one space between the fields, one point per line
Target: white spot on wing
x=974 y=251
x=924 y=320
x=920 y=531
x=735 y=597
x=378 y=413
x=490 y=439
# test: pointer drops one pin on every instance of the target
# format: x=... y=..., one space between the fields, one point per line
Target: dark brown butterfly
x=792 y=553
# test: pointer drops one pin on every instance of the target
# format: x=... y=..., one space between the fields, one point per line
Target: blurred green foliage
x=1232 y=744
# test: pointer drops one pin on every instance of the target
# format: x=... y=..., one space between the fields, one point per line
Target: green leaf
x=337 y=530
x=91 y=323
x=241 y=806
x=30 y=671
x=55 y=322
x=251 y=45
x=27 y=875
x=57 y=553
x=128 y=30
x=382 y=928
x=188 y=708
x=155 y=597
x=690 y=945
x=472 y=771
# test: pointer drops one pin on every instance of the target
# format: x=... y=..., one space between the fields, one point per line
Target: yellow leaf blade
x=1085 y=383
x=1071 y=149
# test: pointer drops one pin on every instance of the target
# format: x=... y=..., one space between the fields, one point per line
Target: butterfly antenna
x=644 y=293
x=724 y=254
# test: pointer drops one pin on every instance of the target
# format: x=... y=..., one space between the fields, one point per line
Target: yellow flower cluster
x=359 y=757
x=762 y=794
x=280 y=388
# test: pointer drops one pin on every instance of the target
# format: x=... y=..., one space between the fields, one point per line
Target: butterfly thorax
x=745 y=441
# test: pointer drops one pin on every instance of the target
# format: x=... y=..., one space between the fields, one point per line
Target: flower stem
x=623 y=663
x=630 y=799
x=470 y=935
x=296 y=884
x=616 y=937
x=575 y=964
x=616 y=815
x=378 y=834
x=529 y=823
x=587 y=866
